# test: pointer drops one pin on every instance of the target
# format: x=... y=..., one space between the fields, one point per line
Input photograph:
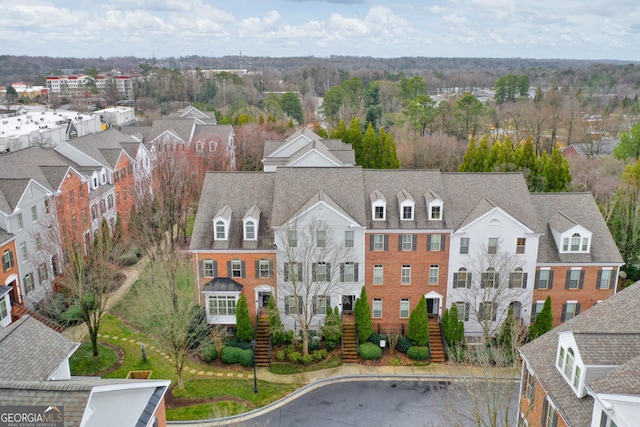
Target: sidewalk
x=78 y=332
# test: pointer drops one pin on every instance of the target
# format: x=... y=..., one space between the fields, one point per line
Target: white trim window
x=520 y=245
x=220 y=230
x=348 y=239
x=434 y=273
x=605 y=278
x=250 y=230
x=407 y=212
x=378 y=274
x=221 y=305
x=404 y=308
x=3 y=308
x=405 y=275
x=7 y=260
x=464 y=245
x=492 y=246
x=376 y=308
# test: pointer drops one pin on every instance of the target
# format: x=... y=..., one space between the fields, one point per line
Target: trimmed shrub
x=233 y=342
x=418 y=330
x=313 y=344
x=418 y=352
x=375 y=338
x=332 y=328
x=294 y=356
x=306 y=359
x=330 y=345
x=544 y=321
x=245 y=358
x=403 y=345
x=370 y=351
x=280 y=355
x=208 y=352
x=319 y=355
x=363 y=316
x=244 y=328
x=230 y=355
x=72 y=316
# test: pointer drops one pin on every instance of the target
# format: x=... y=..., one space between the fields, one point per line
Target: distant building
x=76 y=86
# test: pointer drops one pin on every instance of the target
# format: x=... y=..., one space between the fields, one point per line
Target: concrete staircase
x=435 y=341
x=262 y=341
x=349 y=340
x=18 y=311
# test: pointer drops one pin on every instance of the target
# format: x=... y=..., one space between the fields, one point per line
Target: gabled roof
x=210 y=132
x=334 y=150
x=5 y=237
x=18 y=342
x=609 y=326
x=192 y=112
x=11 y=191
x=565 y=210
x=320 y=197
x=183 y=128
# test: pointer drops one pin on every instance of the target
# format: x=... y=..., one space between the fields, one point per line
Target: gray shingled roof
x=212 y=131
x=99 y=145
x=224 y=189
x=5 y=237
x=19 y=343
x=181 y=127
x=581 y=208
x=334 y=149
x=612 y=320
x=11 y=190
x=622 y=380
x=223 y=284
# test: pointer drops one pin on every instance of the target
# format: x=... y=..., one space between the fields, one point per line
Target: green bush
x=238 y=344
x=403 y=345
x=294 y=356
x=319 y=355
x=375 y=338
x=245 y=358
x=418 y=352
x=330 y=345
x=282 y=337
x=306 y=359
x=313 y=344
x=244 y=328
x=363 y=316
x=230 y=355
x=418 y=330
x=129 y=258
x=370 y=351
x=71 y=316
x=208 y=352
x=280 y=355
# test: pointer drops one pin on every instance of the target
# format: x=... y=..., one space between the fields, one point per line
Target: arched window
x=461 y=279
x=221 y=230
x=250 y=230
x=575 y=242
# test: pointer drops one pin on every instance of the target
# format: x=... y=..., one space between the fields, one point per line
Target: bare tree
x=494 y=281
x=312 y=269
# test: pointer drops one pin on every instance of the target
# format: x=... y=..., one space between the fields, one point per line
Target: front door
x=347 y=303
x=432 y=306
x=263 y=301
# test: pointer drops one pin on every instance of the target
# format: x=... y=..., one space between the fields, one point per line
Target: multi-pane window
x=3 y=308
x=20 y=222
x=435 y=242
x=377 y=308
x=321 y=272
x=110 y=201
x=434 y=272
x=464 y=245
x=348 y=272
x=573 y=279
x=208 y=267
x=604 y=279
x=463 y=310
x=407 y=212
x=404 y=308
x=406 y=242
x=123 y=173
x=84 y=217
x=250 y=230
x=42 y=273
x=517 y=278
x=377 y=274
x=94 y=212
x=264 y=268
x=292 y=237
x=47 y=206
x=320 y=305
x=38 y=241
x=34 y=213
x=461 y=278
x=544 y=279
x=293 y=304
x=492 y=247
x=576 y=243
x=222 y=305
x=530 y=387
x=7 y=260
x=236 y=268
x=405 y=276
x=221 y=230
x=570 y=310
x=536 y=309
x=489 y=278
x=292 y=272
x=378 y=212
x=81 y=191
x=520 y=245
x=321 y=238
x=28 y=283
x=348 y=239
x=71 y=197
x=550 y=416
x=436 y=212
x=487 y=311
x=378 y=242
x=23 y=251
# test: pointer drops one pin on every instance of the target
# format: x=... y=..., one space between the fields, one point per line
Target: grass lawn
x=334 y=360
x=82 y=361
x=206 y=411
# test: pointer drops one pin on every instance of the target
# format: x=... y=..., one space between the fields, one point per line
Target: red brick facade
x=125 y=187
x=392 y=291
x=249 y=275
x=532 y=405
x=9 y=275
x=73 y=210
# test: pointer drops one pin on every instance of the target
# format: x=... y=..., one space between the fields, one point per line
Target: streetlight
x=253 y=361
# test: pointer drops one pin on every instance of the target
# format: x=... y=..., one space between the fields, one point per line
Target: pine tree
x=469 y=157
x=418 y=330
x=371 y=154
x=389 y=151
x=244 y=329
x=339 y=132
x=353 y=136
x=544 y=321
x=453 y=328
x=556 y=173
x=363 y=316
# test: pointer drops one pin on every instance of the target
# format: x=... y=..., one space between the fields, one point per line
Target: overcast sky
x=571 y=29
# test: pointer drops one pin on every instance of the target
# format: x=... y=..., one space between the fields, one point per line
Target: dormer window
x=435 y=213
x=434 y=206
x=570 y=364
x=378 y=206
x=250 y=230
x=407 y=206
x=571 y=237
x=221 y=230
x=250 y=223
